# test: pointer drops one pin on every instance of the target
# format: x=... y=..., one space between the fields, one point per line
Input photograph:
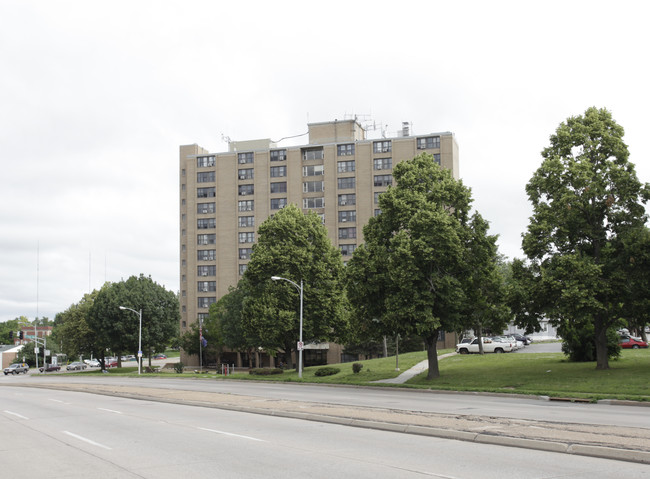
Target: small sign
x=301 y=345
x=47 y=352
x=139 y=354
x=36 y=350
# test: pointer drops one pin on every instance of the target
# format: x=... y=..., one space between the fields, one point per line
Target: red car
x=631 y=343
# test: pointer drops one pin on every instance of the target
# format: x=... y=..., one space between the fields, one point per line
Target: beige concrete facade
x=224 y=197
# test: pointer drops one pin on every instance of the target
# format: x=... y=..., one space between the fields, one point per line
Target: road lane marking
x=81 y=438
x=58 y=400
x=109 y=410
x=231 y=434
x=16 y=414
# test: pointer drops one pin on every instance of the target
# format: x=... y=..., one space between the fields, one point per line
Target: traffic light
x=21 y=335
x=11 y=335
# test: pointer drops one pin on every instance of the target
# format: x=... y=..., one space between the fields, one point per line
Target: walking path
x=412 y=372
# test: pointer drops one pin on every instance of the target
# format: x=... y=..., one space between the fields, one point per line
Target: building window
x=347 y=249
x=205 y=177
x=345 y=166
x=313 y=203
x=278 y=155
x=348 y=233
x=313 y=186
x=204 y=208
x=203 y=161
x=347 y=200
x=346 y=183
x=279 y=187
x=206 y=286
x=245 y=253
x=436 y=158
x=377 y=195
x=278 y=203
x=278 y=171
x=347 y=216
x=207 y=270
x=312 y=154
x=246 y=221
x=242 y=269
x=206 y=192
x=246 y=237
x=206 y=302
x=382 y=163
x=206 y=223
x=246 y=190
x=383 y=146
x=345 y=150
x=377 y=211
x=383 y=180
x=245 y=173
x=315 y=170
x=244 y=158
x=245 y=205
x=203 y=317
x=206 y=239
x=428 y=142
x=206 y=255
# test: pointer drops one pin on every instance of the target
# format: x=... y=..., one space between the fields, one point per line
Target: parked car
x=628 y=342
x=17 y=368
x=524 y=339
x=160 y=356
x=489 y=346
x=49 y=367
x=76 y=366
x=92 y=363
x=111 y=362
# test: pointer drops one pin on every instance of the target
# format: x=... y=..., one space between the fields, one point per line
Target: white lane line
x=58 y=400
x=81 y=438
x=16 y=414
x=231 y=434
x=109 y=410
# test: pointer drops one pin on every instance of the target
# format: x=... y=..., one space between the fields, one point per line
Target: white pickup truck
x=489 y=346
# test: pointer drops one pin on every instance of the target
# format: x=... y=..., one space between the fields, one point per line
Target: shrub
x=357 y=367
x=178 y=367
x=328 y=371
x=265 y=371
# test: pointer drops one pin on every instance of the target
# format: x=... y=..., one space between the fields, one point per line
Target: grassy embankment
x=547 y=374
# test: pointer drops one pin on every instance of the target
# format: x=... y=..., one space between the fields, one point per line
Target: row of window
x=380 y=146
x=308 y=187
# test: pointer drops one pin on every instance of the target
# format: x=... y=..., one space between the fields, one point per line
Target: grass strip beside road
x=540 y=374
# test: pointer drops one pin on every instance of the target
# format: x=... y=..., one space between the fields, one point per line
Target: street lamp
x=300 y=344
x=139 y=313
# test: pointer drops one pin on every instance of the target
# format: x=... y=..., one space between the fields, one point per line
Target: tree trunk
x=288 y=356
x=432 y=356
x=385 y=348
x=602 y=361
x=479 y=335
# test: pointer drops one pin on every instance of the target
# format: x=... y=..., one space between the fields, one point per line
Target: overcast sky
x=96 y=97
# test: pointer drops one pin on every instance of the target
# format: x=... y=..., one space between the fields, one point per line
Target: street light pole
x=300 y=343
x=139 y=313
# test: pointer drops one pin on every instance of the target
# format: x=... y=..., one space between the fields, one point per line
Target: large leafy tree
x=72 y=331
x=119 y=329
x=294 y=246
x=410 y=276
x=586 y=198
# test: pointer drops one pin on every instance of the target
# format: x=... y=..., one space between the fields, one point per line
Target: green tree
x=119 y=329
x=5 y=328
x=71 y=329
x=586 y=197
x=294 y=246
x=415 y=256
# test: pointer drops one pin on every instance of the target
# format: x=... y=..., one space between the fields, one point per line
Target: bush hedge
x=357 y=367
x=327 y=371
x=265 y=371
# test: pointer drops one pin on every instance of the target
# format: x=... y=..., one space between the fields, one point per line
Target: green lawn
x=546 y=374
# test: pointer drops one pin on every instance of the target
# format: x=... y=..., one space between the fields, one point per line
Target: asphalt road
x=62 y=434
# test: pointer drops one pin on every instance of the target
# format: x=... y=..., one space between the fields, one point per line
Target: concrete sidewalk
x=412 y=372
x=611 y=442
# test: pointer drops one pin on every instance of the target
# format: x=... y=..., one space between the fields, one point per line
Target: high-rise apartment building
x=224 y=197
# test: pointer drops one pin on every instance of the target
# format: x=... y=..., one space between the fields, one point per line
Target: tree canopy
x=294 y=246
x=411 y=276
x=586 y=200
